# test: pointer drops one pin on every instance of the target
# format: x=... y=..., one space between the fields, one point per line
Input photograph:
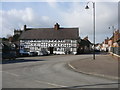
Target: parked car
x=33 y=53
x=28 y=53
x=42 y=53
x=97 y=50
x=58 y=52
x=23 y=53
x=9 y=55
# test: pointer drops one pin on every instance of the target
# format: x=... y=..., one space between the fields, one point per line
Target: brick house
x=114 y=43
x=85 y=46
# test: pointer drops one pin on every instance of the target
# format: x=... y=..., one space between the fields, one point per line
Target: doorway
x=51 y=50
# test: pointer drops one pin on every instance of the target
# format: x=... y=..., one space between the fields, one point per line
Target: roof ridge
x=53 y=28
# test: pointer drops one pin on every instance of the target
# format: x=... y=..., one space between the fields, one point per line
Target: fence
x=115 y=50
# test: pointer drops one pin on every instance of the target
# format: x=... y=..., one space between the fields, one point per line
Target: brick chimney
x=56 y=26
x=25 y=27
x=86 y=38
x=10 y=39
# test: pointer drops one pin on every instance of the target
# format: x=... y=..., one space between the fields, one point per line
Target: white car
x=58 y=52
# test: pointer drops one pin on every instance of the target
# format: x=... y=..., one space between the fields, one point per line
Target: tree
x=4 y=39
x=16 y=37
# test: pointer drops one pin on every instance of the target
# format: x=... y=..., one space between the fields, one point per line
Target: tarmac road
x=49 y=72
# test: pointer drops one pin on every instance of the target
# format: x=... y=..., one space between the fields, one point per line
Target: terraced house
x=56 y=40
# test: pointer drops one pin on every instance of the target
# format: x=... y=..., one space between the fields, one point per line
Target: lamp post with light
x=87 y=7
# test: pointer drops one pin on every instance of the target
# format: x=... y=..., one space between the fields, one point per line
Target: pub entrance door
x=51 y=50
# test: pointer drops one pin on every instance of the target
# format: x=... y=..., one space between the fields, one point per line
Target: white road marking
x=10 y=73
x=71 y=66
x=56 y=85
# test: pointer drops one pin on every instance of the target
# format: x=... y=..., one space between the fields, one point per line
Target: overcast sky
x=67 y=14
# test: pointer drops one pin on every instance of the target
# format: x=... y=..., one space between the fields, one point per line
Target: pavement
x=104 y=66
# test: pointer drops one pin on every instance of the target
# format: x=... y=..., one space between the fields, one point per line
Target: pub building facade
x=56 y=40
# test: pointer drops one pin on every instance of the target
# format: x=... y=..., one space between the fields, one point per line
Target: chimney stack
x=56 y=26
x=25 y=27
x=10 y=39
x=86 y=38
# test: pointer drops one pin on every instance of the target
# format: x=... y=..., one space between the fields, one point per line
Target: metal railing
x=115 y=50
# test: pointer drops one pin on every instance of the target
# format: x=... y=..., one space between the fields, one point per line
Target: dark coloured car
x=97 y=50
x=9 y=55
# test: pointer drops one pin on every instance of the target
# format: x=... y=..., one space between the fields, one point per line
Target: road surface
x=49 y=72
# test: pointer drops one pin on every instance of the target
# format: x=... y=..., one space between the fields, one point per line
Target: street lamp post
x=113 y=37
x=87 y=7
x=113 y=31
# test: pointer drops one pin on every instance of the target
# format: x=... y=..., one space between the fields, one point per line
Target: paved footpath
x=103 y=65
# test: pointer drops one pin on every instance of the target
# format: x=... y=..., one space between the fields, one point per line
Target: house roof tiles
x=50 y=33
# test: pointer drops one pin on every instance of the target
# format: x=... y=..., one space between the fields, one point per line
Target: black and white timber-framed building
x=56 y=40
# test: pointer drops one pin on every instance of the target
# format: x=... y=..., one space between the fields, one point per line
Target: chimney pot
x=56 y=26
x=25 y=27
